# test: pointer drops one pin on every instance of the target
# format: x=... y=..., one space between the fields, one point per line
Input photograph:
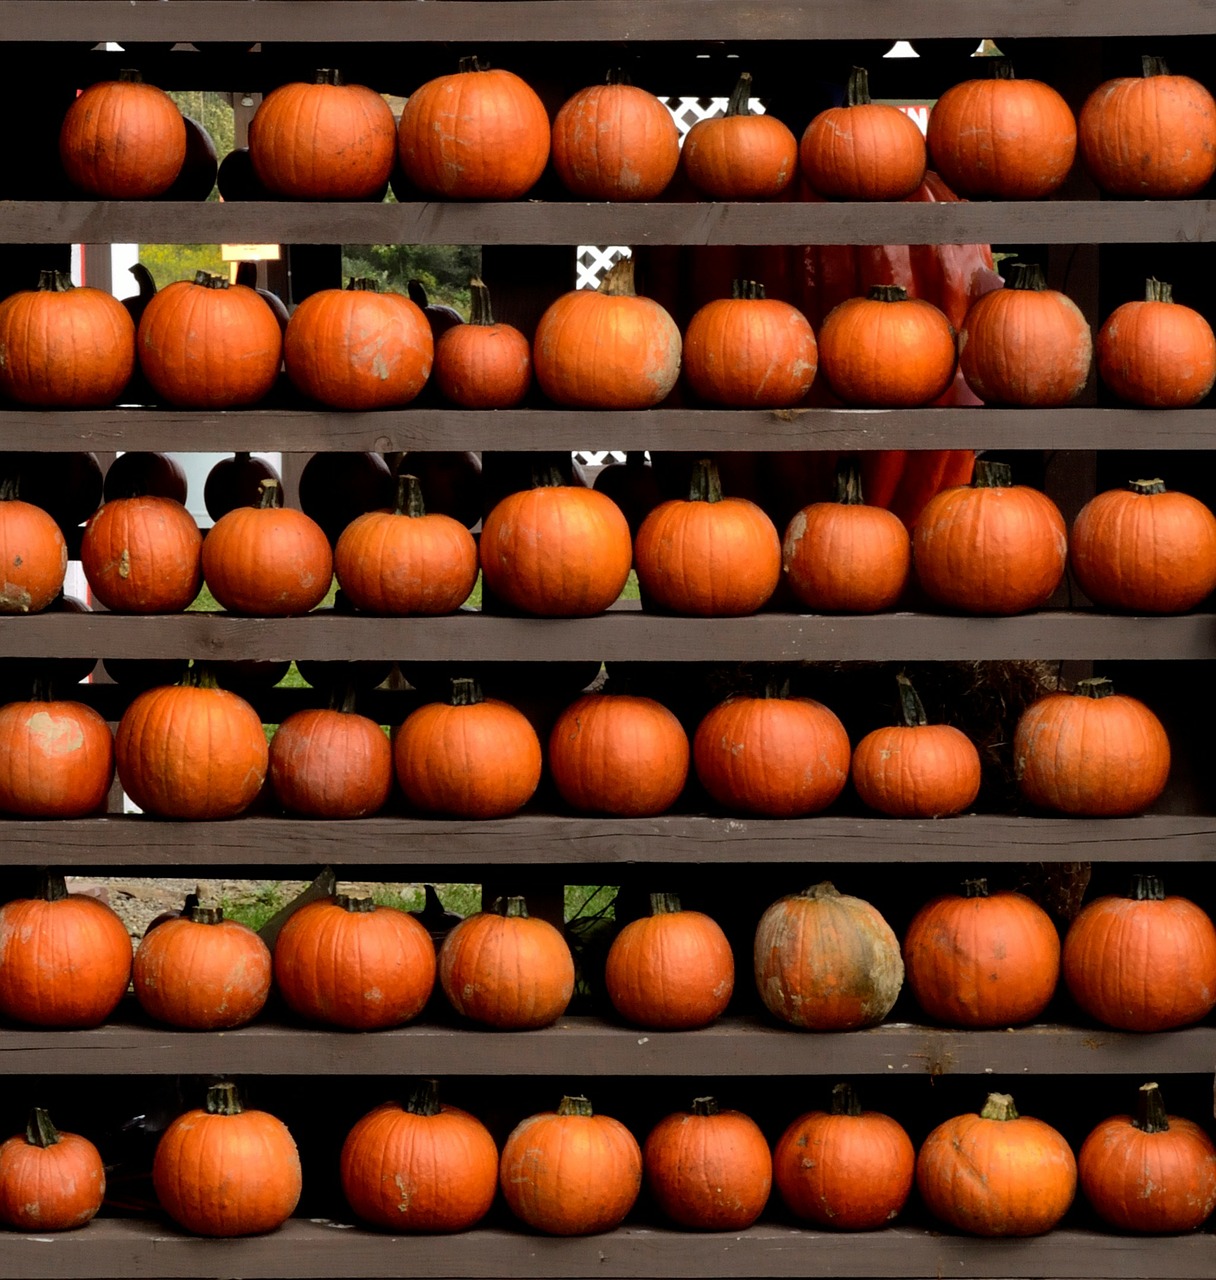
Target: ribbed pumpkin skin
x=201 y=976
x=483 y=366
x=615 y=142
x=853 y=1173
x=1012 y=139
x=990 y=961
x=556 y=551
x=474 y=135
x=1149 y=136
x=740 y=157
x=996 y=1177
x=867 y=152
x=205 y=348
x=122 y=140
x=358 y=349
x=56 y=759
x=55 y=1188
x=1161 y=355
x=70 y=349
x=570 y=1175
x=619 y=754
x=219 y=1175
x=710 y=1172
x=510 y=972
x=479 y=761
x=331 y=764
x=323 y=141
x=842 y=558
x=750 y=353
x=1101 y=758
x=270 y=561
x=185 y=752
x=409 y=1172
x=1145 y=552
x=361 y=970
x=1142 y=966
x=33 y=558
x=773 y=757
x=143 y=555
x=62 y=964
x=672 y=970
x=825 y=961
x=916 y=771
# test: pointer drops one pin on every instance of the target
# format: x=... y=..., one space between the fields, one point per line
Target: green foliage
x=214 y=112
x=443 y=269
x=170 y=262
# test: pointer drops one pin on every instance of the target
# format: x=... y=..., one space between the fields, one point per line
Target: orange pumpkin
x=996 y=1173
x=826 y=961
x=33 y=554
x=483 y=364
x=56 y=758
x=143 y=555
x=845 y=1168
x=570 y=1172
x=672 y=970
x=49 y=1181
x=738 y=155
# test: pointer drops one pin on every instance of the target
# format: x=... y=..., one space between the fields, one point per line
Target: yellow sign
x=250 y=253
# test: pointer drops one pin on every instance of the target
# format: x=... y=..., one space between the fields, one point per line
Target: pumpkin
x=439 y=315
x=606 y=348
x=356 y=348
x=477 y=134
x=570 y=1172
x=1142 y=961
x=49 y=1181
x=977 y=959
x=991 y=547
x=916 y=769
x=56 y=758
x=1149 y=136
x=707 y=555
x=201 y=972
x=862 y=150
x=33 y=554
x=191 y=750
x=483 y=364
x=1003 y=137
x=620 y=754
x=331 y=762
x=555 y=550
x=844 y=1168
x=707 y=1168
x=420 y=1165
x=206 y=344
x=143 y=555
x=1157 y=353
x=887 y=350
x=406 y=561
x=738 y=155
x=826 y=961
x=996 y=1173
x=672 y=970
x=336 y=488
x=200 y=167
x=328 y=140
x=1144 y=549
x=142 y=473
x=1026 y=345
x=507 y=969
x=63 y=347
x=844 y=556
x=750 y=352
x=123 y=139
x=236 y=482
x=65 y=958
x=614 y=141
x=268 y=560
x=771 y=755
x=1092 y=753
x=1150 y=1172
x=224 y=1170
x=471 y=757
x=345 y=962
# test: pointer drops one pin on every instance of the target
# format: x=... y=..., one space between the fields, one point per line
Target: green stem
x=513 y=907
x=424 y=1099
x=39 y=1131
x=52 y=887
x=1147 y=888
x=466 y=692
x=1150 y=1111
x=740 y=99
x=357 y=904
x=857 y=90
x=977 y=888
x=1146 y=487
x=223 y=1099
x=999 y=1107
x=992 y=475
x=1158 y=290
x=663 y=904
x=574 y=1106
x=1026 y=276
x=888 y=293
x=480 y=309
x=910 y=705
x=705 y=485
x=845 y=1101
x=705 y=1106
x=1096 y=687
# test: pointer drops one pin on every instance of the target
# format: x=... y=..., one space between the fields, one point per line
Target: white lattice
x=598 y=457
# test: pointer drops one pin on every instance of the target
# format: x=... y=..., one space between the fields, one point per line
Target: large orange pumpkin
x=143 y=555
x=49 y=1181
x=738 y=155
x=56 y=758
x=33 y=554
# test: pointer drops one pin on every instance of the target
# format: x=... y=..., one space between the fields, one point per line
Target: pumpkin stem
x=204 y=915
x=910 y=705
x=618 y=280
x=1146 y=487
x=1002 y=69
x=1150 y=1111
x=845 y=1101
x=198 y=676
x=1158 y=290
x=824 y=889
x=888 y=293
x=618 y=75
x=706 y=484
x=10 y=488
x=409 y=497
x=362 y=284
x=547 y=475
x=741 y=96
x=129 y=75
x=357 y=905
x=223 y=1099
x=776 y=685
x=472 y=62
x=1147 y=888
x=417 y=294
x=512 y=907
x=208 y=281
x=40 y=1132
x=143 y=278
x=992 y=475
x=424 y=1099
x=466 y=692
x=1026 y=275
x=52 y=887
x=977 y=888
x=663 y=904
x=705 y=1107
x=480 y=310
x=342 y=698
x=848 y=482
x=328 y=75
x=574 y=1106
x=1096 y=687
x=50 y=281
x=999 y=1107
x=269 y=494
x=41 y=691
x=1152 y=65
x=857 y=90
x=749 y=290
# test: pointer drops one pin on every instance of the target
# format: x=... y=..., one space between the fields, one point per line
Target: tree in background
x=443 y=269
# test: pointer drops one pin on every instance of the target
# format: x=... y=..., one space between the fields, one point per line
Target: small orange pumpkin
x=49 y=1181
x=738 y=155
x=483 y=364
